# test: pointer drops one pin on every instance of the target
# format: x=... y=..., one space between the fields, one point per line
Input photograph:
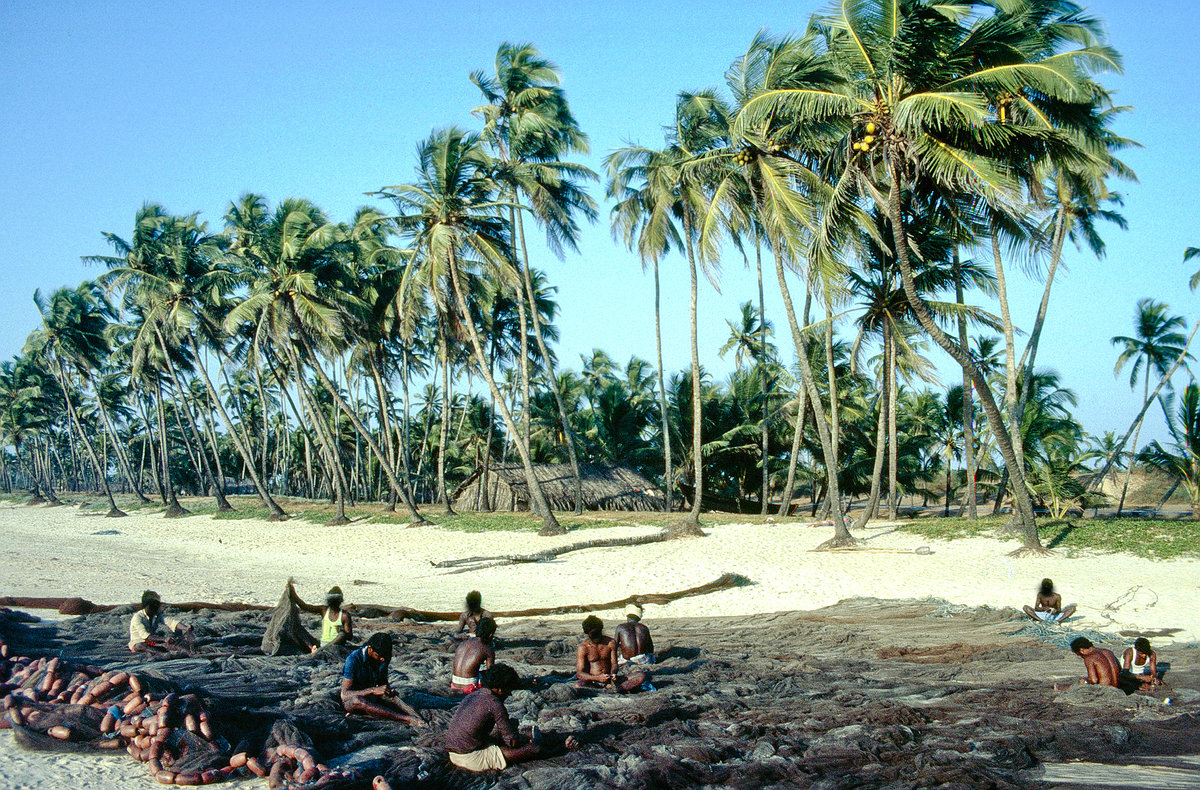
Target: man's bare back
x=470 y=656
x=1101 y=664
x=633 y=639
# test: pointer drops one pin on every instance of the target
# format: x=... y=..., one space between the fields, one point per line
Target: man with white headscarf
x=634 y=644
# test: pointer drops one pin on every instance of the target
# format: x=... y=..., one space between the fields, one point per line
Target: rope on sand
x=726 y=581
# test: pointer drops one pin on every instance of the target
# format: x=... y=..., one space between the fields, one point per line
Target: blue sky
x=105 y=106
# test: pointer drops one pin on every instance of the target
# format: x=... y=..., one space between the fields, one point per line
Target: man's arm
x=347 y=629
x=1127 y=659
x=491 y=657
x=612 y=658
x=503 y=727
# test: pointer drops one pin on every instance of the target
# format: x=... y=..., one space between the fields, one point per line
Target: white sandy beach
x=57 y=552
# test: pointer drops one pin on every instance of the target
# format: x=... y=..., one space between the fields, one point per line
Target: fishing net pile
x=865 y=694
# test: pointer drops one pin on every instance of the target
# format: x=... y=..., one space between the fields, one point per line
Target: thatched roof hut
x=605 y=487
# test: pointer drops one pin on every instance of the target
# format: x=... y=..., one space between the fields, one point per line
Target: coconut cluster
x=867 y=140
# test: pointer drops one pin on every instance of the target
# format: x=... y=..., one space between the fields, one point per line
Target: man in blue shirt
x=365 y=689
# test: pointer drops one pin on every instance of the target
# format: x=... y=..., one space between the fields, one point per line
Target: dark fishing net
x=82 y=720
x=186 y=752
x=285 y=634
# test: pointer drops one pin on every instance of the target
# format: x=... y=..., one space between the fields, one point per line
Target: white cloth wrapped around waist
x=640 y=658
x=455 y=680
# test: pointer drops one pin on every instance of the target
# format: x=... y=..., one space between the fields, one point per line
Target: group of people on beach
x=480 y=736
x=1138 y=668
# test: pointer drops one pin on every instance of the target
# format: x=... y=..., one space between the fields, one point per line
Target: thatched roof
x=605 y=487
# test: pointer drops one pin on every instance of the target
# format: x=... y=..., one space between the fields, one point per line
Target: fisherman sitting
x=336 y=627
x=472 y=615
x=1101 y=664
x=633 y=638
x=596 y=661
x=481 y=737
x=471 y=655
x=145 y=624
x=365 y=689
x=1140 y=665
x=1047 y=607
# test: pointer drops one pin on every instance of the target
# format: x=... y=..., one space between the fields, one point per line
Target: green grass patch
x=1152 y=538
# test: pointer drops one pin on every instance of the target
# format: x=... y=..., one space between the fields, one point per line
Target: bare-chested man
x=1102 y=666
x=472 y=615
x=481 y=737
x=471 y=655
x=1047 y=607
x=633 y=638
x=596 y=661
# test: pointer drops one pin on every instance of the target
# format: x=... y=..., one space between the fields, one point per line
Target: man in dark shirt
x=365 y=689
x=481 y=737
x=471 y=656
x=633 y=638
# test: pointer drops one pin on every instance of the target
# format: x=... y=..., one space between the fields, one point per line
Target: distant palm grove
x=884 y=172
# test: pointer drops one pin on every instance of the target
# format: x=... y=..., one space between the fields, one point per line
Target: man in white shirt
x=146 y=623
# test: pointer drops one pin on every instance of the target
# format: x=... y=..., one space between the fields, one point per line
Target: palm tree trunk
x=548 y=361
x=668 y=469
x=331 y=451
x=101 y=473
x=1133 y=449
x=1029 y=355
x=1023 y=510
x=385 y=418
x=762 y=362
x=174 y=509
x=276 y=513
x=893 y=428
x=880 y=441
x=690 y=525
x=831 y=374
x=184 y=406
x=550 y=525
x=1010 y=361
x=841 y=534
x=417 y=518
x=523 y=328
x=443 y=496
x=785 y=504
x=968 y=405
x=118 y=447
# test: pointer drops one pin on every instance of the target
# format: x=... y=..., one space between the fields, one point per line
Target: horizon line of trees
x=896 y=158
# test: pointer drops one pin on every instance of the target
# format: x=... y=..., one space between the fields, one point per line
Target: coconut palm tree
x=659 y=207
x=451 y=215
x=529 y=124
x=74 y=335
x=1157 y=341
x=300 y=301
x=1180 y=459
x=912 y=109
x=168 y=269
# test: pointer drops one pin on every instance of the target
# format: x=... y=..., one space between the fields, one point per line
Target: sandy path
x=57 y=552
